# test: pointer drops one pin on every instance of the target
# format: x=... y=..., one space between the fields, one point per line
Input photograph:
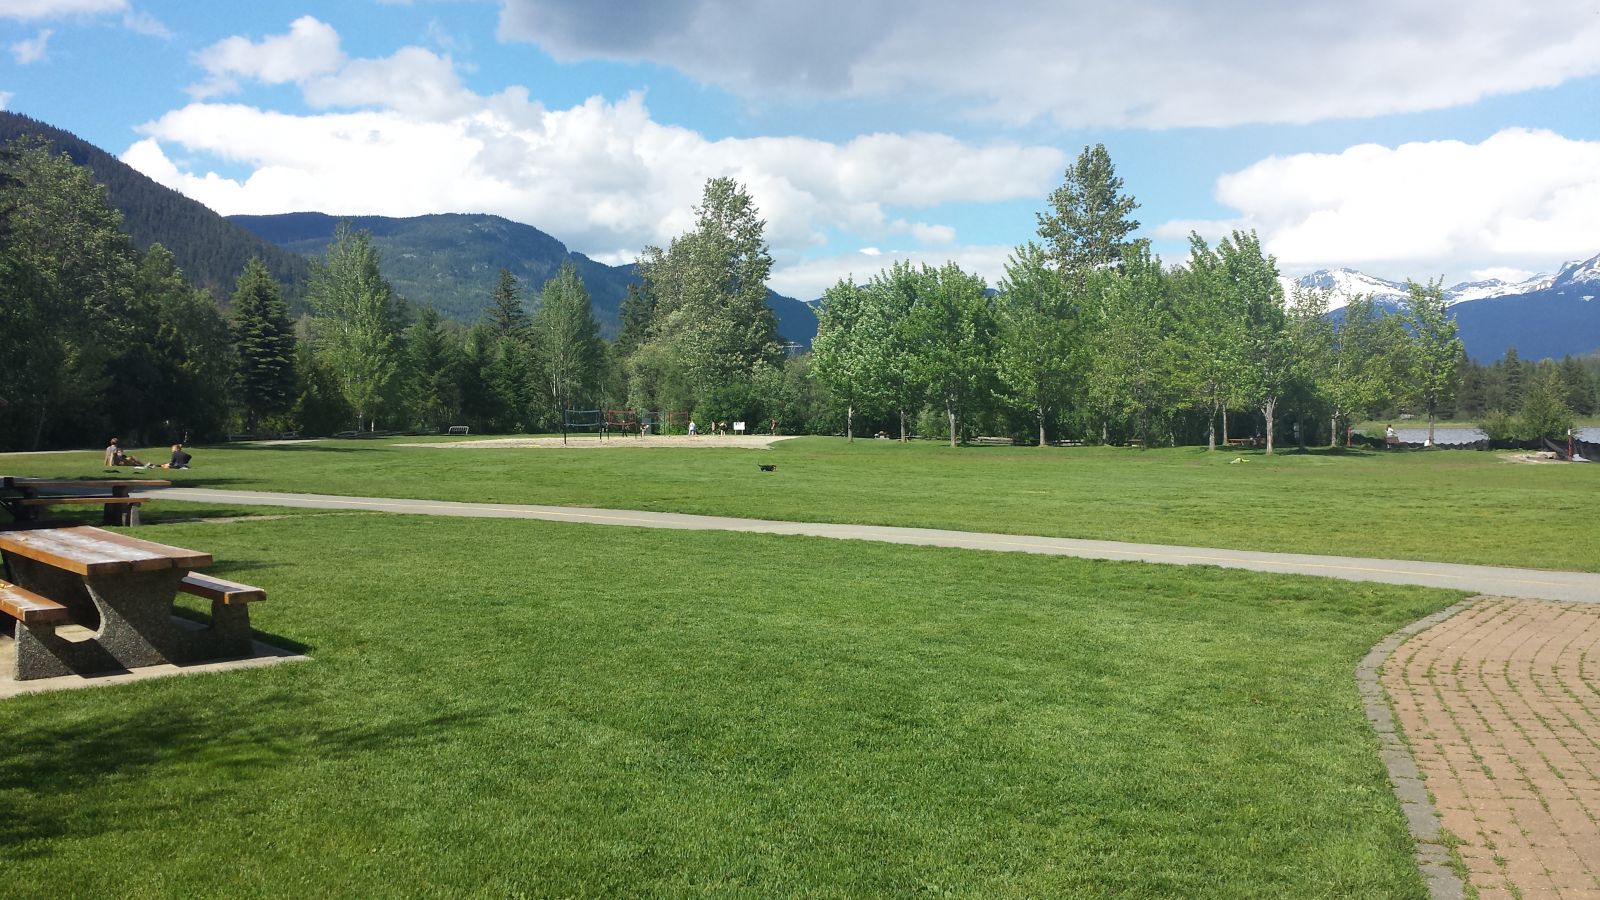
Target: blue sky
x=1407 y=138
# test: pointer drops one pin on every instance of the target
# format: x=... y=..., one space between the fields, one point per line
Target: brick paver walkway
x=1501 y=705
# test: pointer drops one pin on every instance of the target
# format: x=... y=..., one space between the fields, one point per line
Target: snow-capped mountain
x=1342 y=284
x=1547 y=316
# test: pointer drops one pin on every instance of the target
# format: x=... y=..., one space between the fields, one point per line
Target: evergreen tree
x=265 y=343
x=1089 y=222
x=710 y=288
x=432 y=364
x=506 y=315
x=637 y=313
x=1545 y=413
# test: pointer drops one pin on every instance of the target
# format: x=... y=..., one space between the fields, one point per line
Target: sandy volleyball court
x=591 y=441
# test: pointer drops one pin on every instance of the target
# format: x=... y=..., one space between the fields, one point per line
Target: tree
x=264 y=338
x=1038 y=336
x=1435 y=348
x=566 y=341
x=1545 y=413
x=355 y=327
x=1134 y=344
x=1088 y=224
x=850 y=351
x=953 y=329
x=1366 y=363
x=1251 y=277
x=506 y=314
x=710 y=289
x=68 y=272
x=432 y=371
x=1211 y=357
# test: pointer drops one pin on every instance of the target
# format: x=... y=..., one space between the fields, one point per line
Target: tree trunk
x=1333 y=431
x=1211 y=429
x=1041 y=425
x=950 y=413
x=1224 y=424
x=902 y=425
x=1267 y=410
x=1430 y=424
x=850 y=422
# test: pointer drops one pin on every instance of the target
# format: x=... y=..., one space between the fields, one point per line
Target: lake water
x=1413 y=435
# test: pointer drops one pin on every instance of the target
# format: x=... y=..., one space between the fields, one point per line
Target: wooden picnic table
x=24 y=498
x=120 y=587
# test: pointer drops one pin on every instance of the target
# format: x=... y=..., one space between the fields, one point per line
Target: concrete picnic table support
x=124 y=587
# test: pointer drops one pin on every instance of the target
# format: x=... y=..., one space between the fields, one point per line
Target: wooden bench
x=220 y=589
x=29 y=608
x=1242 y=442
x=128 y=515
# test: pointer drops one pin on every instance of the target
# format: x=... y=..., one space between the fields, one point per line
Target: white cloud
x=5 y=99
x=871 y=251
x=1521 y=199
x=144 y=23
x=807 y=277
x=32 y=50
x=1162 y=63
x=57 y=9
x=603 y=176
x=308 y=50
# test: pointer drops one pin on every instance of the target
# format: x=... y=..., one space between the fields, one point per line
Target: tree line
x=1088 y=337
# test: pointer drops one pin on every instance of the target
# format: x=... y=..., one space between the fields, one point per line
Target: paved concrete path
x=1536 y=584
x=1501 y=705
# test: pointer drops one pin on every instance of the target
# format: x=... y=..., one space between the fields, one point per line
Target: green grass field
x=1452 y=506
x=509 y=708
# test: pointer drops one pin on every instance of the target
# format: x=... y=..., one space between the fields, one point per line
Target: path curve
x=1534 y=584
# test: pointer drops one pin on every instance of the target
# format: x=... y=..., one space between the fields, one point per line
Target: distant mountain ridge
x=211 y=250
x=1546 y=316
x=1347 y=283
x=453 y=261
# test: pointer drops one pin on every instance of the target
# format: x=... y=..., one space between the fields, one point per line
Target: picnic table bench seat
x=29 y=608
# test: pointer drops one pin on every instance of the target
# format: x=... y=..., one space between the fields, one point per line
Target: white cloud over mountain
x=1420 y=209
x=401 y=136
x=1159 y=64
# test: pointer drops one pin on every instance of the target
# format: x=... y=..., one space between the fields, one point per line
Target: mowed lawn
x=507 y=708
x=1452 y=506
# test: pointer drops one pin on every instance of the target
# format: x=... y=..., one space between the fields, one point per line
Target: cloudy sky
x=1407 y=138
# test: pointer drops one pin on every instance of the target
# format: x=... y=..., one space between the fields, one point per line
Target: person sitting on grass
x=180 y=458
x=118 y=458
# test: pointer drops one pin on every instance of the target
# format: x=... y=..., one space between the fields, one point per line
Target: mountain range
x=450 y=261
x=453 y=262
x=1546 y=316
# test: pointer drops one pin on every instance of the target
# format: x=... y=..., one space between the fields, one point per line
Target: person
x=692 y=429
x=1390 y=436
x=118 y=458
x=180 y=458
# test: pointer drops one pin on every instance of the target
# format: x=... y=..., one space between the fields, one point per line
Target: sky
x=1405 y=138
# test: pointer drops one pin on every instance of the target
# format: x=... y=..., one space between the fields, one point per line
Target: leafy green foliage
x=1089 y=222
x=356 y=325
x=566 y=342
x=1435 y=350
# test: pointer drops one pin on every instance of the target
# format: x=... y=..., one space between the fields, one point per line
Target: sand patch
x=594 y=442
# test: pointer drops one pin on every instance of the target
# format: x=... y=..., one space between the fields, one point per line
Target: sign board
x=738 y=428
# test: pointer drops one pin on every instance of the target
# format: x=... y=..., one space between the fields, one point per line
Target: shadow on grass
x=236 y=745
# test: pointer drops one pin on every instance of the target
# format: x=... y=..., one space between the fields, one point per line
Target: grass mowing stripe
x=1447 y=506
x=532 y=708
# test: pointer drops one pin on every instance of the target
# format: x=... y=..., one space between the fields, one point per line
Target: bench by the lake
x=26 y=498
x=121 y=589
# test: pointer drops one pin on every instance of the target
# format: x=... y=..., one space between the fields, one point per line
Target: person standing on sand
x=692 y=430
